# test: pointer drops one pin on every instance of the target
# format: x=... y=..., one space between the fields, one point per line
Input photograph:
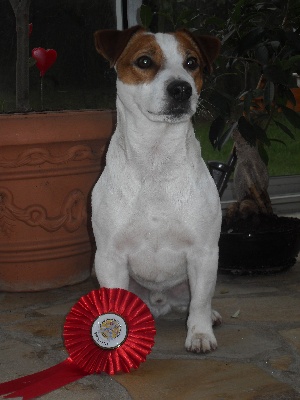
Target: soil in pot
x=259 y=244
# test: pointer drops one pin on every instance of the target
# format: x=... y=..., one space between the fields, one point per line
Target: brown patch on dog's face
x=140 y=61
x=193 y=61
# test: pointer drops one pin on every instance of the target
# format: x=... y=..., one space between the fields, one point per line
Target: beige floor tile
x=260 y=309
x=292 y=336
x=201 y=380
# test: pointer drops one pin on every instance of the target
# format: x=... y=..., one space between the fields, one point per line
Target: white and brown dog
x=156 y=210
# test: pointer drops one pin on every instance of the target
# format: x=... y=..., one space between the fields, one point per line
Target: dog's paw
x=201 y=343
x=216 y=318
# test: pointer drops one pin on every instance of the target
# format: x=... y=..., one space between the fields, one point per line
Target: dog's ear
x=110 y=43
x=209 y=47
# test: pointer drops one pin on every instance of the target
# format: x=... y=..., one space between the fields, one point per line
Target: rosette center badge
x=109 y=331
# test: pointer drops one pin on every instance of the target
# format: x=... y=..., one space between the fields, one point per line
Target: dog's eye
x=144 y=62
x=192 y=63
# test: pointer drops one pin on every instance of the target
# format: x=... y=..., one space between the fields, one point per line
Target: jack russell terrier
x=156 y=210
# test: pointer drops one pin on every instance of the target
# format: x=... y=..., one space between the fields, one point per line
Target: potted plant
x=49 y=162
x=249 y=90
x=260 y=53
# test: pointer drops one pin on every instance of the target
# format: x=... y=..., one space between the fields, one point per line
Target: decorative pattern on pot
x=49 y=163
x=72 y=214
x=39 y=156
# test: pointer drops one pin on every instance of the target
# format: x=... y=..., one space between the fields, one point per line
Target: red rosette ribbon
x=124 y=338
x=107 y=330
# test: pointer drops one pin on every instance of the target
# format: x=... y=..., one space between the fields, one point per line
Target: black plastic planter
x=259 y=252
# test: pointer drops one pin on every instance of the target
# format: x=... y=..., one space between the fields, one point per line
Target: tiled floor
x=258 y=355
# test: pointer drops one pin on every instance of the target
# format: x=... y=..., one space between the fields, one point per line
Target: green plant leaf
x=290 y=96
x=285 y=129
x=221 y=102
x=275 y=45
x=216 y=130
x=226 y=136
x=278 y=141
x=292 y=62
x=261 y=135
x=213 y=20
x=269 y=92
x=247 y=130
x=248 y=96
x=276 y=74
x=291 y=116
x=146 y=15
x=294 y=39
x=262 y=54
x=236 y=14
x=250 y=39
x=263 y=154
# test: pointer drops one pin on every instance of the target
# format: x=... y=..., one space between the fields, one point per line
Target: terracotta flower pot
x=49 y=162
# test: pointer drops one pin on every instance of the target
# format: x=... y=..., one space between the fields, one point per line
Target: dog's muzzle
x=180 y=91
x=179 y=94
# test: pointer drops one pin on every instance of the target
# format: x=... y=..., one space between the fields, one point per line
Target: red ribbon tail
x=32 y=386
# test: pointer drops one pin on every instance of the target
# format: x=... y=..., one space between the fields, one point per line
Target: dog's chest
x=157 y=219
x=160 y=193
x=156 y=240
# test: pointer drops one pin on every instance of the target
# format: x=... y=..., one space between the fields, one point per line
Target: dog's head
x=160 y=75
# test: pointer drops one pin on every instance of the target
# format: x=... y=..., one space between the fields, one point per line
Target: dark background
x=66 y=26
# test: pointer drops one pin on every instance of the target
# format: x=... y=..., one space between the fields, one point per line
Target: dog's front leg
x=202 y=271
x=111 y=271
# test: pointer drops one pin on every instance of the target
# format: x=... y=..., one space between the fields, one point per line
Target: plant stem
x=42 y=93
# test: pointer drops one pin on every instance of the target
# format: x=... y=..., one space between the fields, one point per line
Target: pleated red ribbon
x=107 y=330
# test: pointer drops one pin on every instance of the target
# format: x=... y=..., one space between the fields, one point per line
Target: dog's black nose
x=179 y=90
